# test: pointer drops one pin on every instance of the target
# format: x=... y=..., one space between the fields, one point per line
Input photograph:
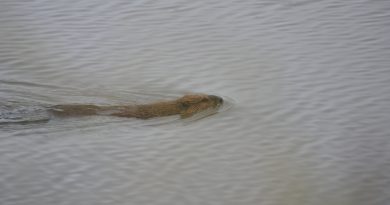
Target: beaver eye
x=185 y=105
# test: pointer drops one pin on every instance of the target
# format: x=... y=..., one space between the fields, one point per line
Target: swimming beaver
x=185 y=106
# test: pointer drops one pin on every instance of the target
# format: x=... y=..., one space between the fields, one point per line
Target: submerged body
x=185 y=106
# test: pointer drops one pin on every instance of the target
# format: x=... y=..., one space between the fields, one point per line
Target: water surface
x=310 y=82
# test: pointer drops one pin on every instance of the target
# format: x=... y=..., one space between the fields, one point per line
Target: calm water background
x=310 y=82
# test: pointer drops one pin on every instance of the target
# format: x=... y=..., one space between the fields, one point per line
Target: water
x=310 y=83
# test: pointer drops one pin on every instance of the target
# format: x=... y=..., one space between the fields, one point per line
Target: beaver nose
x=217 y=99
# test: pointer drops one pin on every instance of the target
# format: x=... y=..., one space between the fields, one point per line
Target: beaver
x=186 y=106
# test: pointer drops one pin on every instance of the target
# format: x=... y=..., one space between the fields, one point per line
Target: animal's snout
x=217 y=99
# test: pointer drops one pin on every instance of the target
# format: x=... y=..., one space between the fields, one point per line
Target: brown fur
x=185 y=106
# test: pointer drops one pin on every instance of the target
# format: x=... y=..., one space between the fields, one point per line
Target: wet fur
x=185 y=106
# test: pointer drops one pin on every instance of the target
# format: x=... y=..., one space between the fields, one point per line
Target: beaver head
x=195 y=103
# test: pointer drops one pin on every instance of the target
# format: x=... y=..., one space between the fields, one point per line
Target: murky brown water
x=310 y=83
